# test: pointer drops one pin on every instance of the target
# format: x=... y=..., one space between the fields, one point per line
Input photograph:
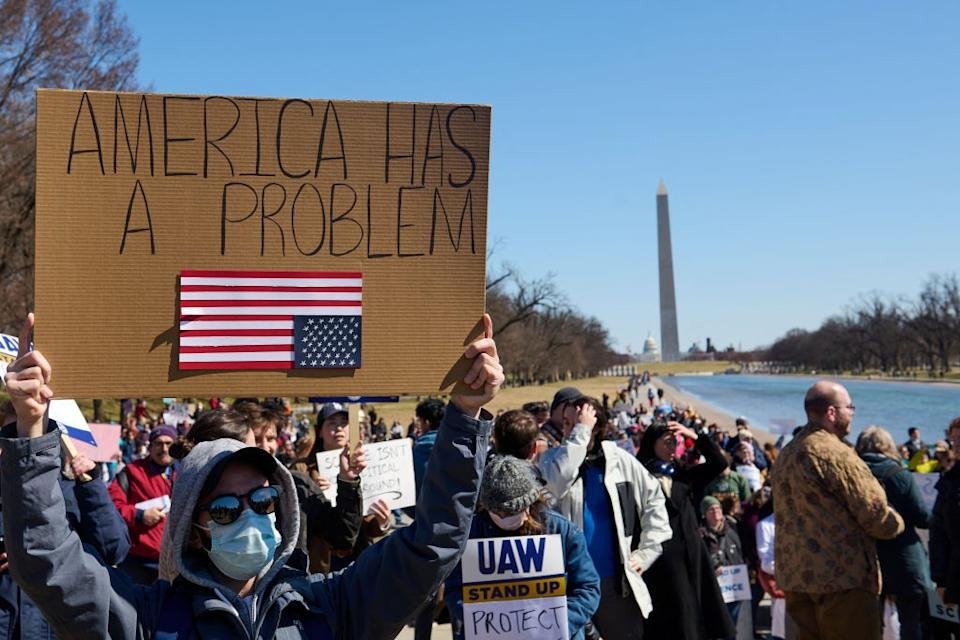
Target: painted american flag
x=270 y=319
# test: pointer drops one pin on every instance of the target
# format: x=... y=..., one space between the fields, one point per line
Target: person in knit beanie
x=509 y=487
x=512 y=503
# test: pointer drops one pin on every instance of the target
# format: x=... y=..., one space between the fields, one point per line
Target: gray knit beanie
x=509 y=485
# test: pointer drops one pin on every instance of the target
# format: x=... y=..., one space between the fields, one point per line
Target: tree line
x=877 y=332
x=540 y=336
x=46 y=43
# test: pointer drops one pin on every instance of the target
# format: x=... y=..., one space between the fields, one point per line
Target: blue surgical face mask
x=241 y=549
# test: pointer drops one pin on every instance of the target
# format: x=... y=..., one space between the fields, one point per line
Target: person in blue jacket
x=512 y=503
x=90 y=513
x=236 y=521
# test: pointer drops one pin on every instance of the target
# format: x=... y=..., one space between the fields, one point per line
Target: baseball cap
x=251 y=456
x=565 y=396
x=330 y=409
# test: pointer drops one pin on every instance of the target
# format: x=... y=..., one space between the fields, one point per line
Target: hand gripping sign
x=515 y=588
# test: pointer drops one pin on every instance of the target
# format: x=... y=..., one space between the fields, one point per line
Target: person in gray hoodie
x=236 y=521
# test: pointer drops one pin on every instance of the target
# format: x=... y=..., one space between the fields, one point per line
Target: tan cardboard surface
x=213 y=184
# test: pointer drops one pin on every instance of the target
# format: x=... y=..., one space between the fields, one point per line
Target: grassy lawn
x=509 y=398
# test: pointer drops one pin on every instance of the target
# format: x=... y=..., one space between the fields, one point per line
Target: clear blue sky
x=811 y=149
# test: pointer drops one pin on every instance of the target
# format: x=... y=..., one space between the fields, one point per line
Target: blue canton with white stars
x=326 y=342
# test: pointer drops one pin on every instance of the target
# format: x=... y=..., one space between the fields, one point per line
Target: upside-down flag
x=270 y=319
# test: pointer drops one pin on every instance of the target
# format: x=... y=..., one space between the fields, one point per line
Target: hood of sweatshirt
x=194 y=565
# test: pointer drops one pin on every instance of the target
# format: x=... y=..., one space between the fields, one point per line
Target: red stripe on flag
x=236 y=348
x=270 y=274
x=194 y=316
x=197 y=333
x=226 y=287
x=283 y=364
x=269 y=303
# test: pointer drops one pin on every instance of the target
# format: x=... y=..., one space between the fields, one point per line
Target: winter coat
x=92 y=515
x=82 y=598
x=829 y=510
x=687 y=603
x=636 y=500
x=723 y=547
x=583 y=583
x=945 y=535
x=903 y=562
x=139 y=481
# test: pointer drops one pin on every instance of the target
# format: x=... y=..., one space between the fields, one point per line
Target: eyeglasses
x=849 y=406
x=227 y=508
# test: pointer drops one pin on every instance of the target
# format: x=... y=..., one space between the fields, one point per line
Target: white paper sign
x=940 y=610
x=162 y=503
x=388 y=476
x=8 y=352
x=734 y=583
x=515 y=589
x=328 y=466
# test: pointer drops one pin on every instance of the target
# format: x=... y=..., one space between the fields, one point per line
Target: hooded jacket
x=84 y=599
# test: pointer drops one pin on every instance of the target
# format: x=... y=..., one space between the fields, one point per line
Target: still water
x=776 y=402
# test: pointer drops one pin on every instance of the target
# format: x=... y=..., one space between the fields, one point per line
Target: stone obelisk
x=669 y=342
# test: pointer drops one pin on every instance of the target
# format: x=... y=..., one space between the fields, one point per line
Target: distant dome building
x=651 y=352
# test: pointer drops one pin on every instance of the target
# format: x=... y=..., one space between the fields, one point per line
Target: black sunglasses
x=227 y=508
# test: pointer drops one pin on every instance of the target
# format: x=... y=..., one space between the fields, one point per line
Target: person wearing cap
x=719 y=534
x=513 y=504
x=552 y=431
x=235 y=520
x=141 y=493
x=334 y=543
x=620 y=508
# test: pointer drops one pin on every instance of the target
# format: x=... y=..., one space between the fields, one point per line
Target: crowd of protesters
x=218 y=525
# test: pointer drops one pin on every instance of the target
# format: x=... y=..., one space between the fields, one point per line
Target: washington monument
x=669 y=342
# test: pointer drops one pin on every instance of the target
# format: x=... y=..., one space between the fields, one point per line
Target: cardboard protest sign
x=229 y=246
x=388 y=476
x=515 y=588
x=734 y=583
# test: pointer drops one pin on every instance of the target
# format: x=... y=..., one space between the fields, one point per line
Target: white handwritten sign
x=515 y=589
x=940 y=610
x=388 y=476
x=734 y=583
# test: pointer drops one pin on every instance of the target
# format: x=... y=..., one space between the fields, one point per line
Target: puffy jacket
x=82 y=598
x=638 y=505
x=583 y=583
x=92 y=515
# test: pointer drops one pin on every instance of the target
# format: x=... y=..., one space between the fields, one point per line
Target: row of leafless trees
x=882 y=333
x=540 y=337
x=45 y=43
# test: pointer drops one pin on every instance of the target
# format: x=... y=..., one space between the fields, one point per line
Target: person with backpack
x=141 y=493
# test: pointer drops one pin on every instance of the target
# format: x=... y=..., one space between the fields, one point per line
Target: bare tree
x=46 y=43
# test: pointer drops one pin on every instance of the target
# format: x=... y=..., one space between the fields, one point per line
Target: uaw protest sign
x=515 y=588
